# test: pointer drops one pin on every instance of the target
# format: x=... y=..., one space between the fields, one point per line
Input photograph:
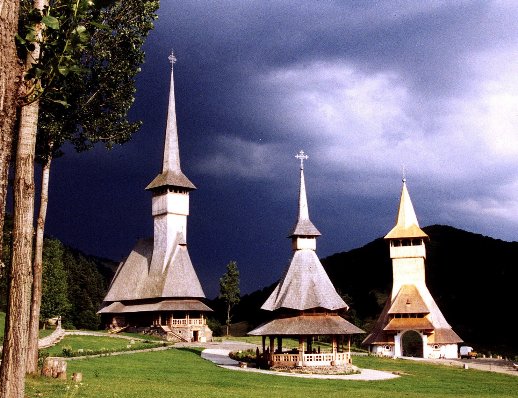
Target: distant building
x=156 y=289
x=411 y=323
x=305 y=304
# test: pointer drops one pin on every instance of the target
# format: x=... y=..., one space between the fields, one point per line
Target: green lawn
x=182 y=373
x=95 y=343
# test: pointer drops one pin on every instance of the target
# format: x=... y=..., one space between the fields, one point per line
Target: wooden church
x=305 y=304
x=156 y=289
x=411 y=323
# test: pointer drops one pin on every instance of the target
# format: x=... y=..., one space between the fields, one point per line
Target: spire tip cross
x=172 y=58
x=301 y=156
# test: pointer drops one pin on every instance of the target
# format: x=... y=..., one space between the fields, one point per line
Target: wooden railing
x=188 y=322
x=317 y=359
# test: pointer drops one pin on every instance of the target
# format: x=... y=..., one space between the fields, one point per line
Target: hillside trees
x=55 y=300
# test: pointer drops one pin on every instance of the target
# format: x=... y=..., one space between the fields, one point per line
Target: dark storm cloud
x=365 y=88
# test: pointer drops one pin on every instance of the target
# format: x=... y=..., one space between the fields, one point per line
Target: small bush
x=244 y=356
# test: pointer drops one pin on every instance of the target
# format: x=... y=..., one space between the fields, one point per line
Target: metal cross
x=302 y=156
x=172 y=58
x=404 y=173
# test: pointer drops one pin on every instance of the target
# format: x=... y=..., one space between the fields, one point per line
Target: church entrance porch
x=412 y=344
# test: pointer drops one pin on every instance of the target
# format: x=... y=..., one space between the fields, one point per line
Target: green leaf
x=51 y=22
x=63 y=70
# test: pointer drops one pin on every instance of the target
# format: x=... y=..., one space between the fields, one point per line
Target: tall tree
x=87 y=98
x=14 y=354
x=229 y=289
x=10 y=72
x=107 y=44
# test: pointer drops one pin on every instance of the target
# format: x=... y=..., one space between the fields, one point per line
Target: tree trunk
x=12 y=371
x=37 y=266
x=228 y=318
x=10 y=72
x=14 y=354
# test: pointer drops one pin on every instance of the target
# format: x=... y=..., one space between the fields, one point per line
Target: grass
x=95 y=343
x=182 y=373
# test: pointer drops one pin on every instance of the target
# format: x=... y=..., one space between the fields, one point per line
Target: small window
x=436 y=346
x=387 y=348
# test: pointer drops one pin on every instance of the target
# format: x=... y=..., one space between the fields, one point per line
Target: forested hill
x=473 y=279
x=74 y=283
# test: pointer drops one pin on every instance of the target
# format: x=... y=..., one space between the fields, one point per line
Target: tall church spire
x=407 y=225
x=171 y=175
x=171 y=148
x=303 y=226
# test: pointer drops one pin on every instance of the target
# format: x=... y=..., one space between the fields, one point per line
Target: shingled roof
x=171 y=175
x=303 y=226
x=408 y=301
x=164 y=305
x=136 y=279
x=407 y=225
x=304 y=285
x=311 y=325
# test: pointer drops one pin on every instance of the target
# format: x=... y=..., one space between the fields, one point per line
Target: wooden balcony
x=187 y=322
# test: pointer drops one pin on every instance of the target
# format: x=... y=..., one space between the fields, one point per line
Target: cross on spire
x=403 y=170
x=301 y=156
x=172 y=58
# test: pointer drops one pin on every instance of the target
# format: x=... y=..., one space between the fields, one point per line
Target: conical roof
x=304 y=285
x=171 y=174
x=303 y=226
x=407 y=225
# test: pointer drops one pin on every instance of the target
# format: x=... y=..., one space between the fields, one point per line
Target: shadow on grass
x=194 y=350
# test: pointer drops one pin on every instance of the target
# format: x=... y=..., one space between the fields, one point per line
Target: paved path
x=220 y=357
x=486 y=364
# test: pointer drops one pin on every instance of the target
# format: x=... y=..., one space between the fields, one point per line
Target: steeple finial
x=303 y=227
x=302 y=156
x=172 y=58
x=403 y=173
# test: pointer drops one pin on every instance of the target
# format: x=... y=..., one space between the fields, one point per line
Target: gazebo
x=305 y=305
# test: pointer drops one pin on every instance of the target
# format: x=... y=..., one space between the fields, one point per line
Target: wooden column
x=279 y=344
x=272 y=348
x=301 y=350
x=335 y=349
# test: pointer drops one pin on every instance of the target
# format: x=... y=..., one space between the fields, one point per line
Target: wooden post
x=279 y=344
x=349 y=350
x=272 y=348
x=301 y=350
x=264 y=343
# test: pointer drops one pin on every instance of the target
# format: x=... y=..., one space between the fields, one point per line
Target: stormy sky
x=367 y=89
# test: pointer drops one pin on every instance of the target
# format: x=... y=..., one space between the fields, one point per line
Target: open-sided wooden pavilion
x=305 y=305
